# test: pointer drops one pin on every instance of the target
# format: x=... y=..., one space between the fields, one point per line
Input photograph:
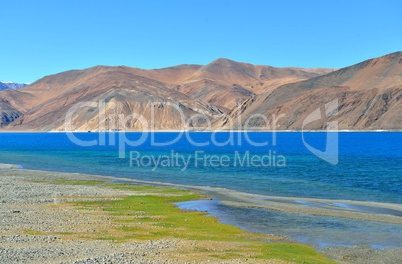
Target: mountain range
x=223 y=94
x=11 y=85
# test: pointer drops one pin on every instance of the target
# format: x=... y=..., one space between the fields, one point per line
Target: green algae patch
x=34 y=232
x=296 y=253
x=89 y=183
x=150 y=214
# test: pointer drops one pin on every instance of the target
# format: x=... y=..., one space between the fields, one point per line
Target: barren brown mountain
x=226 y=93
x=119 y=95
x=363 y=96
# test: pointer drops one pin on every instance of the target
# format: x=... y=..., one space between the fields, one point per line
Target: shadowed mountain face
x=13 y=103
x=7 y=113
x=222 y=94
x=363 y=96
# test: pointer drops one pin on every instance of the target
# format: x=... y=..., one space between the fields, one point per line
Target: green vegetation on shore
x=150 y=214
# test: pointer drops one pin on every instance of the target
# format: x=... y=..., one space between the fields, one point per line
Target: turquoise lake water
x=369 y=168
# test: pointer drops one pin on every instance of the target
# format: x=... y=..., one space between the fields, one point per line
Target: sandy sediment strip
x=350 y=209
x=356 y=210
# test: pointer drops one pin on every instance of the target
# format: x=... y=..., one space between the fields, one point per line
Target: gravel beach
x=30 y=206
x=26 y=205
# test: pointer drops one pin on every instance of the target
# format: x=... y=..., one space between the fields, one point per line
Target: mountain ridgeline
x=11 y=85
x=222 y=95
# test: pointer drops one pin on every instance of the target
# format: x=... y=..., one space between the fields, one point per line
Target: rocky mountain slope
x=174 y=97
x=8 y=114
x=363 y=96
x=221 y=95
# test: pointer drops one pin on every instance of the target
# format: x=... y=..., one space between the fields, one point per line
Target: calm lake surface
x=368 y=168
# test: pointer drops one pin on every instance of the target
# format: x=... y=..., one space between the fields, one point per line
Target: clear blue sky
x=40 y=37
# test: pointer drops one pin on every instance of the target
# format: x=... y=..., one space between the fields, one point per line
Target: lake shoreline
x=337 y=253
x=53 y=217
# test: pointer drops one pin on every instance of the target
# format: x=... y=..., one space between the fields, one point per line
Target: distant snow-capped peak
x=11 y=85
